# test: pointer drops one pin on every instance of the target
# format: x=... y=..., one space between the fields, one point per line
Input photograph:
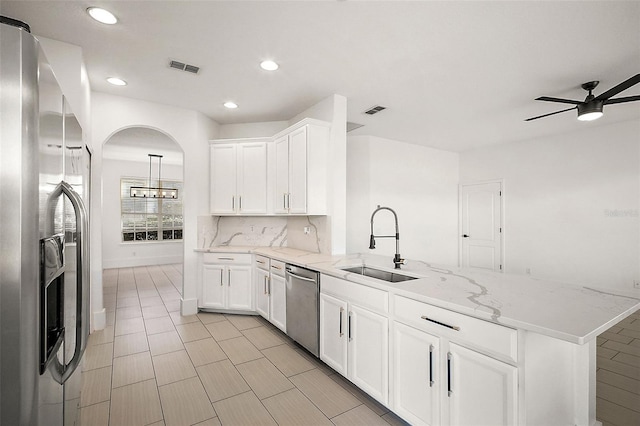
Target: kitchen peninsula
x=528 y=345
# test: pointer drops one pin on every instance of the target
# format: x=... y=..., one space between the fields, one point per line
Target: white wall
x=571 y=203
x=115 y=253
x=191 y=130
x=419 y=183
x=251 y=130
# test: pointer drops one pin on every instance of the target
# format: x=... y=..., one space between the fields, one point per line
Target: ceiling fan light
x=590 y=111
x=590 y=116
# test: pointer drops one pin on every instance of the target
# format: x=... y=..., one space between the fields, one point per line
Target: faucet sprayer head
x=372 y=242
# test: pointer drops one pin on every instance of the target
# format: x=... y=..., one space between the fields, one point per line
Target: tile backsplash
x=271 y=231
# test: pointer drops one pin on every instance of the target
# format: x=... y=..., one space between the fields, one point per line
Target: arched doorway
x=142 y=232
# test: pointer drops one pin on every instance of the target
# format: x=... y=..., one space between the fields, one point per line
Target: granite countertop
x=576 y=314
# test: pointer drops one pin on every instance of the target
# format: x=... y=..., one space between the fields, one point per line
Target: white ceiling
x=453 y=75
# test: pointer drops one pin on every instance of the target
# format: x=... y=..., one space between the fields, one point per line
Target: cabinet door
x=483 y=391
x=298 y=171
x=278 y=302
x=415 y=375
x=213 y=289
x=223 y=179
x=369 y=352
x=282 y=175
x=239 y=285
x=261 y=287
x=333 y=333
x=252 y=178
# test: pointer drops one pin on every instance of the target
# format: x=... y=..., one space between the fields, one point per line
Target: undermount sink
x=392 y=277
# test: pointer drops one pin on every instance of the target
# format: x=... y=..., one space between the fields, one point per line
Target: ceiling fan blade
x=562 y=101
x=622 y=100
x=619 y=88
x=551 y=113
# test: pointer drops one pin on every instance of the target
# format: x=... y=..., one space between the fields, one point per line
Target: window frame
x=150 y=210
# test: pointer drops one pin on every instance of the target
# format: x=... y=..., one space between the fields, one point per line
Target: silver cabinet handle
x=229 y=276
x=61 y=372
x=276 y=267
x=261 y=261
x=240 y=201
x=226 y=258
x=269 y=286
x=221 y=279
x=349 y=327
x=341 y=311
x=453 y=327
x=233 y=202
x=449 y=390
x=265 y=285
x=289 y=201
x=430 y=365
x=284 y=200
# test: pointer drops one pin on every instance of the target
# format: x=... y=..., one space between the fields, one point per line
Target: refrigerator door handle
x=63 y=372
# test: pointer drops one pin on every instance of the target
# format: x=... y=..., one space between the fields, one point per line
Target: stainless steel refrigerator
x=44 y=252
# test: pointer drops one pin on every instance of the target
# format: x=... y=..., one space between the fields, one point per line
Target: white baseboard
x=140 y=261
x=99 y=320
x=188 y=306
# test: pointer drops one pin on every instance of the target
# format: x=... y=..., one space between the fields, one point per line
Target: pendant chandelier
x=151 y=191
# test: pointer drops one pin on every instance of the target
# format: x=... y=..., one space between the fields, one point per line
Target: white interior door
x=481 y=220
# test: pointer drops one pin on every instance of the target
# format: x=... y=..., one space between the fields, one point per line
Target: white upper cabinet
x=284 y=174
x=239 y=178
x=301 y=169
x=223 y=178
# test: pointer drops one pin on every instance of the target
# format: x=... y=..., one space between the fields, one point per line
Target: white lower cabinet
x=436 y=377
x=226 y=283
x=277 y=302
x=354 y=342
x=261 y=286
x=270 y=295
x=416 y=373
x=483 y=390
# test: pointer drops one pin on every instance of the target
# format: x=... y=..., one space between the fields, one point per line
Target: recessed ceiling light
x=117 y=81
x=102 y=15
x=269 y=65
x=230 y=105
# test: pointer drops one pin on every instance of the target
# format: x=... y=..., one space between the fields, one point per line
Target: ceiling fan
x=591 y=107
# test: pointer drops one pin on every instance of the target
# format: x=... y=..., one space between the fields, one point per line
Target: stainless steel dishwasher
x=303 y=307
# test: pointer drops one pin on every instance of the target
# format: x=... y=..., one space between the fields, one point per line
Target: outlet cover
x=307 y=230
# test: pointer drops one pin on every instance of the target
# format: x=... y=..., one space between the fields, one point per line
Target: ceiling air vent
x=374 y=110
x=184 y=67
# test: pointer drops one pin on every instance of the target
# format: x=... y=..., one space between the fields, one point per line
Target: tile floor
x=150 y=366
x=618 y=374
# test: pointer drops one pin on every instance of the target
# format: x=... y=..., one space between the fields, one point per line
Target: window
x=150 y=219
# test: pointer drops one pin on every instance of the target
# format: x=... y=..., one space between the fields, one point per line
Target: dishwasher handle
x=313 y=280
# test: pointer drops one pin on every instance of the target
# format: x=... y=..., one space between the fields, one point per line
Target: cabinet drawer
x=262 y=262
x=277 y=267
x=367 y=297
x=235 y=258
x=492 y=338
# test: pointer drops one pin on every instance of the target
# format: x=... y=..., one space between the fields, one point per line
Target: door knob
x=465 y=236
